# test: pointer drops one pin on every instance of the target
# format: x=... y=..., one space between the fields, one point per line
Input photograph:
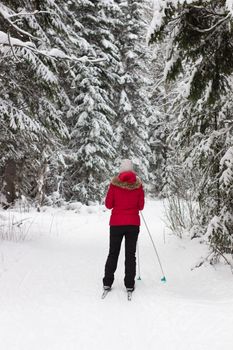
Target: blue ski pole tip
x=163 y=279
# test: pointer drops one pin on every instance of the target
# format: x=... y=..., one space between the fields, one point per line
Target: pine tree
x=199 y=51
x=71 y=69
x=90 y=150
x=33 y=102
x=158 y=123
x=133 y=106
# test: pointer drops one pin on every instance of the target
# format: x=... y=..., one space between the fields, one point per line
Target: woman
x=125 y=197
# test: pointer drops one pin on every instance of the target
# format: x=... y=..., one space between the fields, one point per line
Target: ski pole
x=139 y=269
x=163 y=279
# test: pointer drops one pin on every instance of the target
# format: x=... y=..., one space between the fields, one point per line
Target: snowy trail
x=51 y=290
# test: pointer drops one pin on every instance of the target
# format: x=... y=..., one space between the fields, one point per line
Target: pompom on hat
x=126 y=165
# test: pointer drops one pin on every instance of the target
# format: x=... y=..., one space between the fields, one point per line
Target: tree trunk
x=9 y=183
x=40 y=185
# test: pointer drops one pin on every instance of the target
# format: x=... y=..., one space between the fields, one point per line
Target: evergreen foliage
x=66 y=77
x=133 y=105
x=199 y=58
x=91 y=151
x=31 y=97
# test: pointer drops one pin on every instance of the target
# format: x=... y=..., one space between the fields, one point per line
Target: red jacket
x=125 y=197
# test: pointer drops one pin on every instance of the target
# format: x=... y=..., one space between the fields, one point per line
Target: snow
x=227 y=160
x=157 y=20
x=4 y=39
x=57 y=53
x=192 y=75
x=125 y=102
x=159 y=7
x=169 y=64
x=229 y=6
x=5 y=11
x=51 y=287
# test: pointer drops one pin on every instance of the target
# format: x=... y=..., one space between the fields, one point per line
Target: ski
x=105 y=292
x=129 y=295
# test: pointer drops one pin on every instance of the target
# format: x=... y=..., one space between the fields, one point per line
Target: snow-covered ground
x=51 y=284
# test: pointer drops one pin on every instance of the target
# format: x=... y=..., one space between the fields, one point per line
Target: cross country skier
x=125 y=197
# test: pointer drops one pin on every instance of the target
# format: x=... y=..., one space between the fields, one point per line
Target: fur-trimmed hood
x=127 y=180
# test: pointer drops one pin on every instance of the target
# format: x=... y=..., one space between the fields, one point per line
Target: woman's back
x=125 y=197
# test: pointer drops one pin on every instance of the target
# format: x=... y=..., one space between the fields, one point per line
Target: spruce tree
x=91 y=152
x=36 y=47
x=199 y=52
x=133 y=105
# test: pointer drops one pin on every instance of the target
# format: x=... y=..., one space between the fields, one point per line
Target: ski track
x=51 y=287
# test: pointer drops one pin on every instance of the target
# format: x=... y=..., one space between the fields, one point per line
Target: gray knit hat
x=126 y=165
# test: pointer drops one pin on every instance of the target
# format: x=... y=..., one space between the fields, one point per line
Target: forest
x=116 y=174
x=85 y=83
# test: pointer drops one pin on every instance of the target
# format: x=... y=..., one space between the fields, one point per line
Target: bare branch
x=16 y=27
x=211 y=28
x=44 y=53
x=202 y=261
x=31 y=13
x=12 y=48
x=215 y=248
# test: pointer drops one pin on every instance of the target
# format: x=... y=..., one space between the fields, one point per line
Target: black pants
x=116 y=235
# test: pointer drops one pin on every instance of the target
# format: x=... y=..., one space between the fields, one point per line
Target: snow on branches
x=198 y=38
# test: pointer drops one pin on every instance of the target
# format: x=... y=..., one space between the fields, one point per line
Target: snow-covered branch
x=31 y=13
x=4 y=40
x=211 y=28
x=12 y=48
x=7 y=40
x=5 y=15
